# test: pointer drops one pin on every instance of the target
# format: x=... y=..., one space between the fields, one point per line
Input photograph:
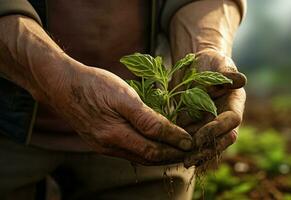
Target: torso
x=97 y=33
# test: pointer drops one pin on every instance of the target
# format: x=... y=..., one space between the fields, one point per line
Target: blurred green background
x=258 y=165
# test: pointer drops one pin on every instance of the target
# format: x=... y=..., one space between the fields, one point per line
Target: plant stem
x=179 y=105
x=176 y=87
x=142 y=86
x=168 y=110
x=176 y=93
x=177 y=109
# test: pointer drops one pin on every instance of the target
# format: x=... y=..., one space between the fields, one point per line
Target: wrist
x=203 y=25
x=32 y=59
x=52 y=78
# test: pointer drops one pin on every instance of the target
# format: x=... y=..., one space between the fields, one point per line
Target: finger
x=129 y=140
x=121 y=153
x=193 y=127
x=238 y=80
x=213 y=61
x=200 y=158
x=233 y=103
x=231 y=108
x=225 y=122
x=227 y=67
x=155 y=126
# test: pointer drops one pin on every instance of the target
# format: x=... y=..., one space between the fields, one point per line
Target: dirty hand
x=207 y=28
x=100 y=106
x=213 y=135
x=111 y=117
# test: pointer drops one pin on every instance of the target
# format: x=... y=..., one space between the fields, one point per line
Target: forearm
x=203 y=25
x=29 y=57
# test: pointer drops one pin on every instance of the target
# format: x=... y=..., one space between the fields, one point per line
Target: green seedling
x=154 y=89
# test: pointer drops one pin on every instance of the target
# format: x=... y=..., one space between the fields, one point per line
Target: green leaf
x=198 y=99
x=195 y=114
x=148 y=86
x=136 y=85
x=206 y=78
x=156 y=99
x=144 y=65
x=211 y=78
x=186 y=61
x=142 y=89
x=190 y=76
x=159 y=60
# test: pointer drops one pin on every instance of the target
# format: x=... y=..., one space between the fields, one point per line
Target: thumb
x=238 y=80
x=155 y=126
x=227 y=67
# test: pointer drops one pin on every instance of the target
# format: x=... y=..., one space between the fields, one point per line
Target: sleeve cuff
x=18 y=7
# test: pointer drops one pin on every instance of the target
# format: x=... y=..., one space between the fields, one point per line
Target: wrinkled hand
x=208 y=28
x=111 y=117
x=212 y=136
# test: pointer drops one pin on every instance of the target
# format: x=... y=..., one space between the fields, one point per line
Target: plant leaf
x=159 y=60
x=144 y=65
x=198 y=99
x=156 y=100
x=186 y=61
x=211 y=78
x=136 y=85
x=195 y=114
x=148 y=87
x=142 y=90
x=190 y=76
x=206 y=78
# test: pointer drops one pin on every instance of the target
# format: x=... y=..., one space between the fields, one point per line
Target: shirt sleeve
x=18 y=7
x=172 y=6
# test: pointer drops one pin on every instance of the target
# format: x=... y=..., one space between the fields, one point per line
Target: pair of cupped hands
x=109 y=115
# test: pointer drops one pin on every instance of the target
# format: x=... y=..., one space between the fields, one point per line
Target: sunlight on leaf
x=198 y=99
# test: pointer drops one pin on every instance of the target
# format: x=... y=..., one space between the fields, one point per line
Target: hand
x=100 y=106
x=212 y=136
x=110 y=116
x=208 y=28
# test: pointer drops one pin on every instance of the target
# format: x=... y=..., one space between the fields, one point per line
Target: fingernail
x=185 y=144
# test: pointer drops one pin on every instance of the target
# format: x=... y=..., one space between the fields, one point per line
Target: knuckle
x=234 y=118
x=237 y=119
x=242 y=93
x=226 y=141
x=233 y=136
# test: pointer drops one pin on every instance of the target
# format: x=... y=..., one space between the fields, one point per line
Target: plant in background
x=267 y=176
x=183 y=97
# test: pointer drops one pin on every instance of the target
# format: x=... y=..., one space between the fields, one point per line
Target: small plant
x=182 y=97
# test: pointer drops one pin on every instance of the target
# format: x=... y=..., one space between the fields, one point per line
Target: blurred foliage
x=281 y=103
x=256 y=158
x=223 y=185
x=267 y=149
